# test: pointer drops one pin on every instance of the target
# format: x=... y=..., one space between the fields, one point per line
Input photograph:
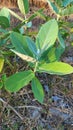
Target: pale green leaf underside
x=1 y=63
x=24 y=57
x=23 y=6
x=58 y=68
x=47 y=35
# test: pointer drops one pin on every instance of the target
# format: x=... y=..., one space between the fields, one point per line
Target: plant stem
x=35 y=66
x=58 y=17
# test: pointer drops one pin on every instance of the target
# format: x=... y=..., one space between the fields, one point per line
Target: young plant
x=5 y=26
x=42 y=56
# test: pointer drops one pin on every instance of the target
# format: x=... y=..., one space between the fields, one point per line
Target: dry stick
x=9 y=106
x=34 y=107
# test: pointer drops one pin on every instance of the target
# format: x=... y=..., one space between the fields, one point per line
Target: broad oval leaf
x=23 y=6
x=1 y=63
x=47 y=35
x=23 y=44
x=58 y=68
x=37 y=90
x=17 y=81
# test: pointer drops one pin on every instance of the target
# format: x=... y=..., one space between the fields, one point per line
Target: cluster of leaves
x=62 y=7
x=42 y=54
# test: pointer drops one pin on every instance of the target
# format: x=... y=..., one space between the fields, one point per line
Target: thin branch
x=34 y=107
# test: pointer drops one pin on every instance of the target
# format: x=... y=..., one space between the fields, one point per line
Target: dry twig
x=9 y=106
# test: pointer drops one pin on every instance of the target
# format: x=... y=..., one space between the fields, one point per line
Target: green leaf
x=4 y=18
x=5 y=12
x=22 y=43
x=3 y=30
x=17 y=81
x=58 y=68
x=24 y=57
x=67 y=2
x=47 y=35
x=40 y=11
x=4 y=22
x=54 y=8
x=61 y=41
x=40 y=14
x=1 y=85
x=4 y=77
x=37 y=90
x=67 y=11
x=52 y=54
x=59 y=3
x=23 y=6
x=49 y=55
x=31 y=45
x=1 y=64
x=2 y=42
x=59 y=51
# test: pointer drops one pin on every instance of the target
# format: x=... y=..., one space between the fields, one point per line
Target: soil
x=20 y=111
